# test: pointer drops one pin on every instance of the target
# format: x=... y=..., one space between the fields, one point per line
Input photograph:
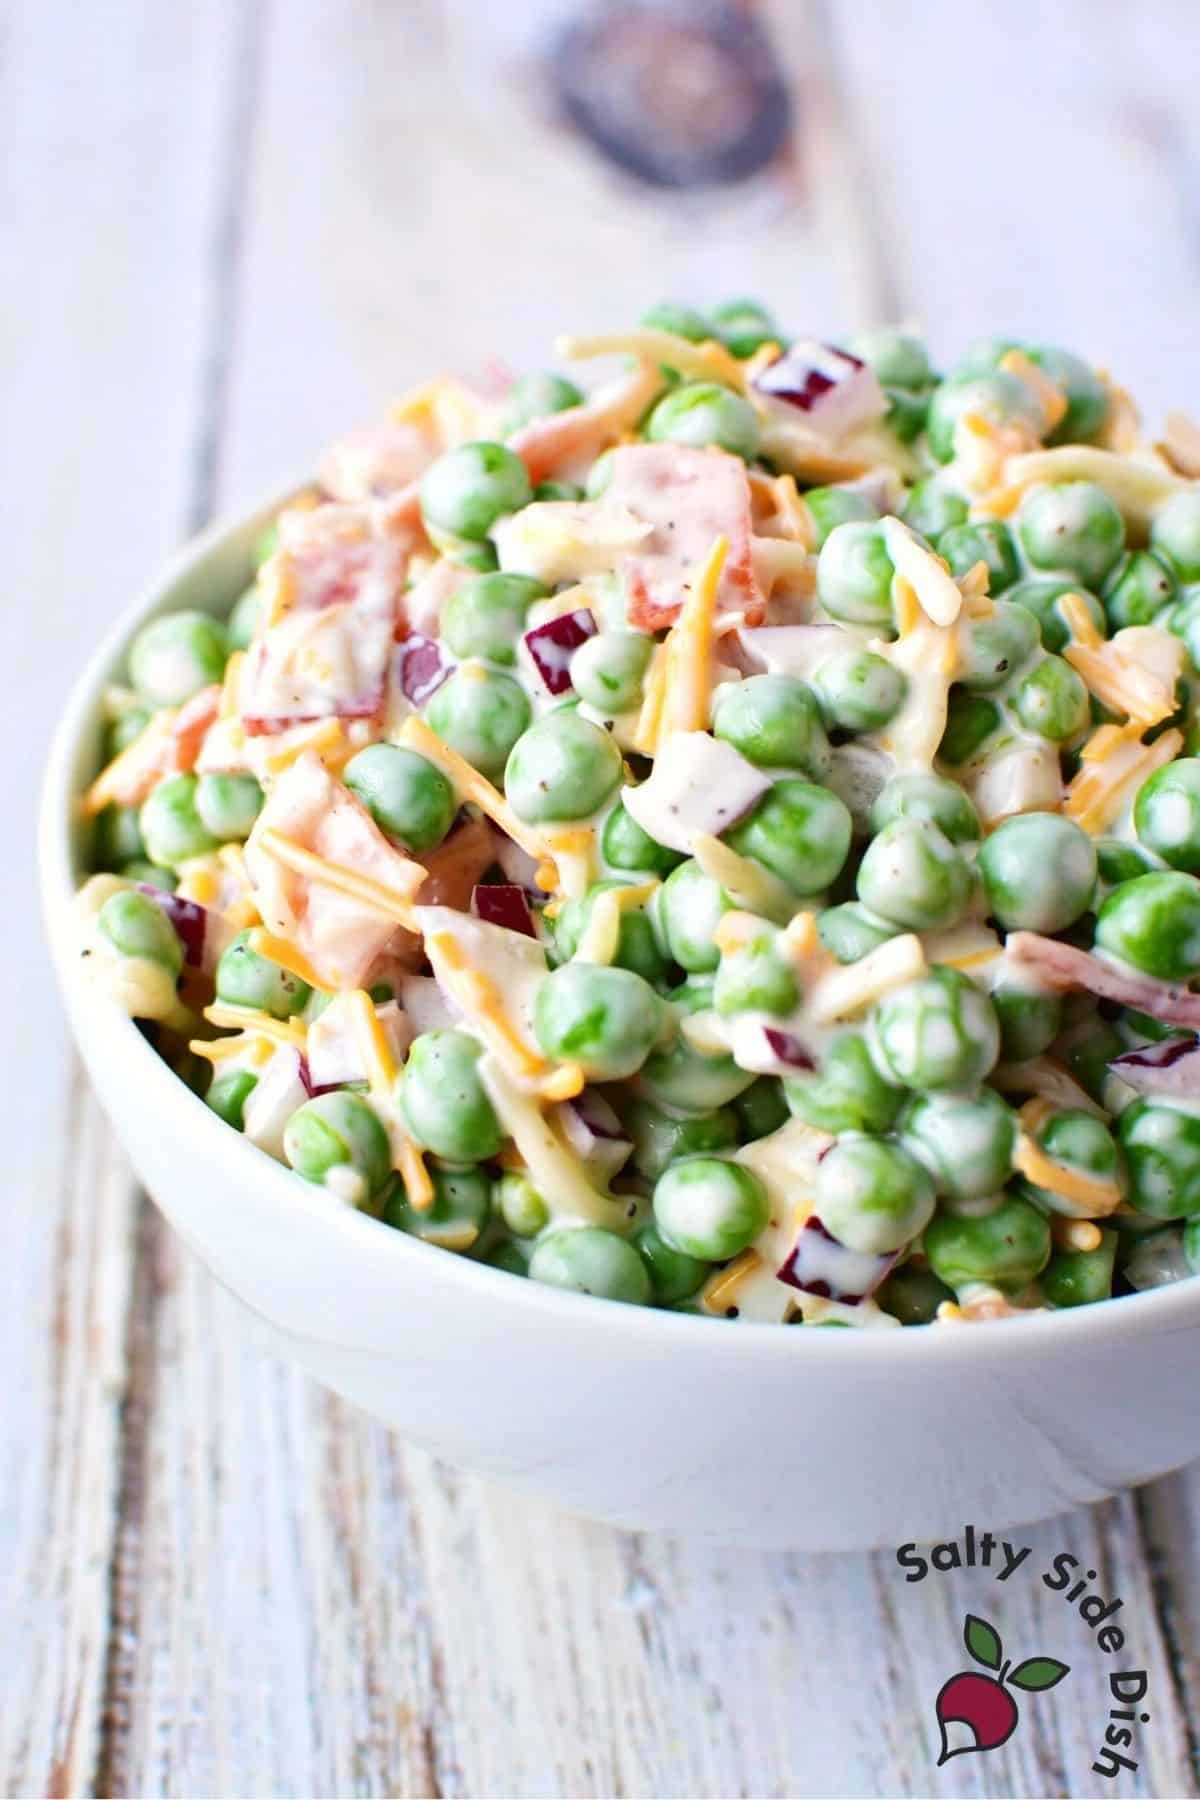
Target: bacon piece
x=421 y=607
x=192 y=725
x=458 y=863
x=689 y=498
x=376 y=460
x=564 y=439
x=1061 y=967
x=344 y=908
x=332 y=596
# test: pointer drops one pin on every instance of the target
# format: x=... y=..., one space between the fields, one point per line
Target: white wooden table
x=227 y=230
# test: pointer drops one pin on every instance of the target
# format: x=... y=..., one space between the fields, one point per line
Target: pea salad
x=726 y=841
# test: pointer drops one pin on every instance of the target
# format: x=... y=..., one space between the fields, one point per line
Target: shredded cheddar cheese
x=1089 y=1193
x=288 y=956
x=720 y=1290
x=288 y=1032
x=363 y=888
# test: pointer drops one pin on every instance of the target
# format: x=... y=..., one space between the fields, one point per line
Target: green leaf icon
x=1039 y=1673
x=982 y=1641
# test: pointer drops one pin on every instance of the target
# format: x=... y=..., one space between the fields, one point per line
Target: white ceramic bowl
x=751 y=1434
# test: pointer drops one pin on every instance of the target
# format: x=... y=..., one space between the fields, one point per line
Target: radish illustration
x=977 y=1712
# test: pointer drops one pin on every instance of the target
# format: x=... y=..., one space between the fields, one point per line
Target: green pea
x=339 y=1131
x=983 y=541
x=589 y=1260
x=407 y=796
x=1029 y=1021
x=1000 y=398
x=227 y=805
x=1191 y=1245
x=673 y=1274
x=1072 y=526
x=1153 y=923
x=938 y=1032
x=970 y=722
x=933 y=509
x=243 y=619
x=1175 y=534
x=872 y=1195
x=661 y=1138
x=775 y=721
x=680 y=1077
x=507 y=1256
x=444 y=1103
x=965 y=1141
x=1052 y=701
x=148 y=874
x=534 y=396
x=599 y=475
x=461 y=1208
x=1088 y=1057
x=481 y=715
x=486 y=616
x=860 y=690
x=709 y=1208
x=1166 y=814
x=744 y=326
x=907 y=412
x=1080 y=1142
x=520 y=1205
x=557 y=490
x=468 y=489
x=931 y=798
x=993 y=646
x=685 y=911
x=1007 y=1248
x=913 y=1295
x=135 y=926
x=116 y=837
x=1087 y=396
x=1039 y=872
x=605 y=1019
x=898 y=359
x=761 y=1109
x=626 y=846
x=172 y=658
x=608 y=669
x=126 y=728
x=1138 y=590
x=563 y=768
x=854 y=575
x=637 y=947
x=832 y=506
x=172 y=829
x=851 y=931
x=1162 y=1153
x=700 y=413
x=755 y=978
x=680 y=321
x=800 y=832
x=244 y=978
x=1042 y=596
x=913 y=875
x=849 y=1093
x=1080 y=1277
x=983 y=356
x=1183 y=620
x=1118 y=861
x=228 y=1096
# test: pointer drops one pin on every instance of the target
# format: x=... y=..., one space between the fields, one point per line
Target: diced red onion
x=699 y=784
x=787 y=1048
x=1062 y=966
x=820 y=1264
x=503 y=903
x=835 y=390
x=1171 y=1068
x=189 y=919
x=306 y=1080
x=553 y=644
x=423 y=667
x=599 y=1116
x=605 y=1150
x=425 y=1005
x=519 y=867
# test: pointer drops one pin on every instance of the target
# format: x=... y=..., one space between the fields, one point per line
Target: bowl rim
x=184 y=1113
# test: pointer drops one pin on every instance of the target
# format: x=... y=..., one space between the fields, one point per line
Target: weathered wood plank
x=109 y=127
